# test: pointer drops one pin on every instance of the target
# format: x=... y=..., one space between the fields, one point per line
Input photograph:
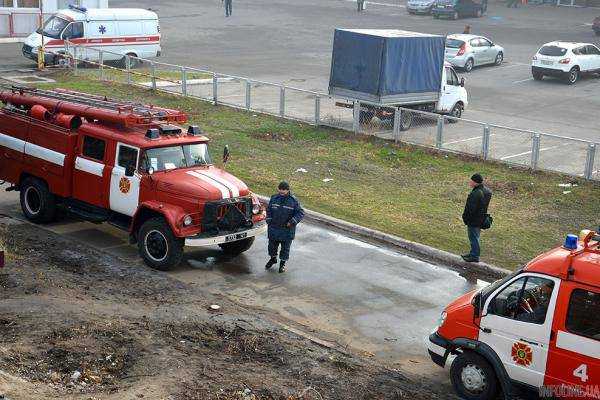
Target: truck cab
x=127 y=164
x=537 y=329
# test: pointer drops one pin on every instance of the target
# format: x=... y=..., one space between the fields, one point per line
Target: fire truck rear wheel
x=37 y=203
x=158 y=246
x=473 y=377
x=235 y=248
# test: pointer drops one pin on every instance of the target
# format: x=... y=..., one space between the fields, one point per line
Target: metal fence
x=525 y=148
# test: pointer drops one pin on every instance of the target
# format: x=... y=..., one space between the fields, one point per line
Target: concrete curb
x=424 y=251
x=12 y=40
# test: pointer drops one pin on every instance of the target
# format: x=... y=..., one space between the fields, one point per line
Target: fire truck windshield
x=172 y=157
x=54 y=27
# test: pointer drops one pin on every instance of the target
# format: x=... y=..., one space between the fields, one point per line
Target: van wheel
x=158 y=246
x=469 y=65
x=366 y=116
x=573 y=75
x=37 y=203
x=236 y=248
x=473 y=377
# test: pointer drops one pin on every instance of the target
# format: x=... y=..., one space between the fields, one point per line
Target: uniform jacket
x=281 y=211
x=477 y=206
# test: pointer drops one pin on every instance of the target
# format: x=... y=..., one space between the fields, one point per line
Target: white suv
x=565 y=60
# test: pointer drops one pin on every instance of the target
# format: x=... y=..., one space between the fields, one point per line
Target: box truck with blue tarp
x=388 y=68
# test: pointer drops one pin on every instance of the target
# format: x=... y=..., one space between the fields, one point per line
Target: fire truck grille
x=227 y=215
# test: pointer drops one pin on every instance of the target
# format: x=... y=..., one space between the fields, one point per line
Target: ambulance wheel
x=158 y=246
x=236 y=248
x=473 y=377
x=37 y=203
x=133 y=62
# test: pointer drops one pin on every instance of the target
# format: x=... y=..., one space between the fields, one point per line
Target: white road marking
x=523 y=80
x=462 y=140
x=529 y=152
x=380 y=4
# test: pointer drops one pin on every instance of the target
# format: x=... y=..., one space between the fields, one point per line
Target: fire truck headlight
x=256 y=209
x=442 y=319
x=187 y=221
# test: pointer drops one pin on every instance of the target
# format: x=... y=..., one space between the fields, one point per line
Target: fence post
x=485 y=144
x=215 y=88
x=184 y=81
x=75 y=59
x=128 y=68
x=101 y=62
x=282 y=101
x=153 y=74
x=439 y=137
x=397 y=121
x=356 y=117
x=248 y=95
x=589 y=162
x=535 y=151
x=317 y=110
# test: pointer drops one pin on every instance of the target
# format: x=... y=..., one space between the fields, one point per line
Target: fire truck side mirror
x=129 y=170
x=226 y=154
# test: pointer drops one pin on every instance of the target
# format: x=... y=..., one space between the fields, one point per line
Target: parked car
x=468 y=51
x=596 y=26
x=419 y=6
x=565 y=60
x=459 y=8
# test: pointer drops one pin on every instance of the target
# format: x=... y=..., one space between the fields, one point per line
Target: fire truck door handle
x=528 y=341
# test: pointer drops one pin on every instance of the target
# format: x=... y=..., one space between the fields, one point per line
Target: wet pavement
x=363 y=296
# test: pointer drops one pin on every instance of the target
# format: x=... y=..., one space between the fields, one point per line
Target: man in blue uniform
x=283 y=214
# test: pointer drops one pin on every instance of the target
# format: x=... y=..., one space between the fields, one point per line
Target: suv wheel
x=158 y=246
x=499 y=58
x=469 y=65
x=573 y=75
x=538 y=76
x=236 y=248
x=37 y=203
x=473 y=378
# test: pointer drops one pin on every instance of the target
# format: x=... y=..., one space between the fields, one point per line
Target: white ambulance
x=118 y=31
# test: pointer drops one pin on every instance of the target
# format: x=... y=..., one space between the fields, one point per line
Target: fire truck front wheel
x=235 y=248
x=473 y=377
x=158 y=246
x=37 y=203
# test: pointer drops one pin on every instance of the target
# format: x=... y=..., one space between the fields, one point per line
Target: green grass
x=142 y=74
x=403 y=190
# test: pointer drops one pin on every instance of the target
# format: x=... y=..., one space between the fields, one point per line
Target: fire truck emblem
x=124 y=185
x=522 y=354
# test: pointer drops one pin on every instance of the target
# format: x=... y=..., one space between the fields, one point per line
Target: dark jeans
x=284 y=254
x=360 y=5
x=228 y=7
x=474 y=234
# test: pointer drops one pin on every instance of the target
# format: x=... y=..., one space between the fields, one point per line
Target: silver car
x=419 y=6
x=467 y=51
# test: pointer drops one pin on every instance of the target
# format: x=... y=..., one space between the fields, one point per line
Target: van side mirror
x=462 y=82
x=129 y=170
x=226 y=154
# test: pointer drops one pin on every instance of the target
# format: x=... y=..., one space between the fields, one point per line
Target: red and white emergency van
x=536 y=329
x=127 y=164
x=118 y=31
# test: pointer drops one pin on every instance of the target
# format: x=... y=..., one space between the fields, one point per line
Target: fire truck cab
x=536 y=329
x=127 y=164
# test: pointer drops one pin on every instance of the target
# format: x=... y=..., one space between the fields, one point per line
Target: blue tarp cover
x=386 y=62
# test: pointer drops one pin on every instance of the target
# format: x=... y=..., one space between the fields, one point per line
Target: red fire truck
x=127 y=164
x=536 y=329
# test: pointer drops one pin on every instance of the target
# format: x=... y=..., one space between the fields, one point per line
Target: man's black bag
x=487 y=222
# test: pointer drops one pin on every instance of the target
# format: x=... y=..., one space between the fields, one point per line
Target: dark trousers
x=228 y=7
x=284 y=254
x=513 y=3
x=474 y=234
x=360 y=5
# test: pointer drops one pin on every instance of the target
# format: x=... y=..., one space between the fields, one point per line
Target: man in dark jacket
x=475 y=214
x=283 y=214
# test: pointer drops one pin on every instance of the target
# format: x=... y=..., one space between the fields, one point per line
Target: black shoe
x=282 y=267
x=463 y=256
x=470 y=259
x=270 y=263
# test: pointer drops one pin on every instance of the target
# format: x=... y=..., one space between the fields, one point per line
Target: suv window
x=93 y=148
x=485 y=42
x=553 y=51
x=127 y=157
x=583 y=318
x=526 y=299
x=454 y=43
x=593 y=50
x=475 y=42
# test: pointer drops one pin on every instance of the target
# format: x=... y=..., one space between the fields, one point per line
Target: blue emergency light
x=78 y=8
x=571 y=242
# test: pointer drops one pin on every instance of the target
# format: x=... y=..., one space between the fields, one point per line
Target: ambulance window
x=127 y=156
x=583 y=318
x=93 y=148
x=525 y=299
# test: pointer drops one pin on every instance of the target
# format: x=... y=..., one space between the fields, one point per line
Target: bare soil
x=79 y=324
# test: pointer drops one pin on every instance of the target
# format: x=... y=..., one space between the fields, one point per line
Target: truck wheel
x=456 y=112
x=236 y=248
x=473 y=377
x=37 y=203
x=158 y=246
x=406 y=119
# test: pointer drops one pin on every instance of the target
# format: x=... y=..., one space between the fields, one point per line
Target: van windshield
x=172 y=157
x=54 y=27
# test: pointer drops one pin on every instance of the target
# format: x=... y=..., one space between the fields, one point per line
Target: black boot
x=281 y=266
x=271 y=262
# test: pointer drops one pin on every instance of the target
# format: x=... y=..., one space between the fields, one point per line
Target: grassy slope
x=401 y=190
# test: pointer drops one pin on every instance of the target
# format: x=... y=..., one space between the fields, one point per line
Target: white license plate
x=237 y=236
x=547 y=62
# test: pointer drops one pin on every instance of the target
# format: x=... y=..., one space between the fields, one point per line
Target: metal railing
x=530 y=149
